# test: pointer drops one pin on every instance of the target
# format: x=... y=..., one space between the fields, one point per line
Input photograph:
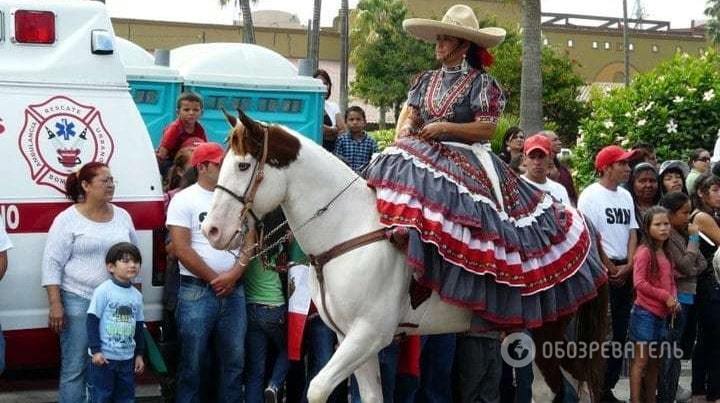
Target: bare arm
x=56 y=312
x=181 y=238
x=632 y=246
x=225 y=282
x=3 y=264
x=708 y=226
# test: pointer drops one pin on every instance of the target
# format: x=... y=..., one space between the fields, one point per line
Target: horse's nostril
x=213 y=233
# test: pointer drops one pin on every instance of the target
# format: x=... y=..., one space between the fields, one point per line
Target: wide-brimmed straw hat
x=459 y=21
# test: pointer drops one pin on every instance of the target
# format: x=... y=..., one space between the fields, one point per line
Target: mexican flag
x=298 y=308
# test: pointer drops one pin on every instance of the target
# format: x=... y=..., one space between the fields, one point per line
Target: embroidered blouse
x=457 y=96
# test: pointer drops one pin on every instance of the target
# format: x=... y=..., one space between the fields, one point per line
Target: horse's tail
x=592 y=324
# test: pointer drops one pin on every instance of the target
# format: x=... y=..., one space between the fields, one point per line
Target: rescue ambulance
x=65 y=102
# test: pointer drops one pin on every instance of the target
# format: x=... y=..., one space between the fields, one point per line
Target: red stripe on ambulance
x=23 y=218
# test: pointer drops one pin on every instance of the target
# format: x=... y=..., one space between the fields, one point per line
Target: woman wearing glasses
x=699 y=164
x=74 y=265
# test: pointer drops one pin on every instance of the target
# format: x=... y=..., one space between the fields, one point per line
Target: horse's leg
x=368 y=379
x=550 y=366
x=359 y=345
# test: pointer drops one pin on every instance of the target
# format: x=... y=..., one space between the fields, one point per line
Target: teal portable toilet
x=260 y=81
x=154 y=88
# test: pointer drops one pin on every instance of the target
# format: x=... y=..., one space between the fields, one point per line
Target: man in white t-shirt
x=5 y=245
x=211 y=300
x=537 y=153
x=611 y=210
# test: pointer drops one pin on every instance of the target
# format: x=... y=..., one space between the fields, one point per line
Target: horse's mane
x=283 y=147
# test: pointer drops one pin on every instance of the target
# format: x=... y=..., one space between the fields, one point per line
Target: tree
x=385 y=57
x=713 y=11
x=561 y=110
x=344 y=53
x=315 y=36
x=675 y=107
x=531 y=85
x=248 y=26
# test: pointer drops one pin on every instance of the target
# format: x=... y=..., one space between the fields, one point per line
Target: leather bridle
x=248 y=197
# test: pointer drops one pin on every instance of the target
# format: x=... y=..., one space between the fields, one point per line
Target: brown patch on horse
x=247 y=137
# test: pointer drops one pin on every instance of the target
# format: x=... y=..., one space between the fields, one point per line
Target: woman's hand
x=433 y=131
x=56 y=317
x=672 y=304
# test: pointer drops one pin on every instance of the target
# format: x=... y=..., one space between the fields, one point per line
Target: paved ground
x=19 y=391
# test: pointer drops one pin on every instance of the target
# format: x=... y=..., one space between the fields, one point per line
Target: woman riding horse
x=476 y=233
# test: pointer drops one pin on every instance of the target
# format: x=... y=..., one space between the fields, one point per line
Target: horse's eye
x=243 y=166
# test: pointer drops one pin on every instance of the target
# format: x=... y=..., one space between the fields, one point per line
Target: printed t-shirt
x=612 y=212
x=119 y=309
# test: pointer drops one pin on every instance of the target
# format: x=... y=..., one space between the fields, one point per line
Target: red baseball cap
x=537 y=142
x=207 y=152
x=610 y=155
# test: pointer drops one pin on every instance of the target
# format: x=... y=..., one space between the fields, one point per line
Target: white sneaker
x=682 y=395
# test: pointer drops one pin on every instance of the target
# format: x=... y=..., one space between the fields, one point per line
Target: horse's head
x=251 y=181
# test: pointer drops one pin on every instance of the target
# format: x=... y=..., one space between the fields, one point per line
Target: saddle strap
x=321 y=260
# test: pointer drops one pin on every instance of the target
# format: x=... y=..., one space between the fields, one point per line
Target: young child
x=189 y=110
x=355 y=147
x=655 y=301
x=115 y=328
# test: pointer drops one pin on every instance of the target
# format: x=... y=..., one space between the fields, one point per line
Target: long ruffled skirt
x=482 y=237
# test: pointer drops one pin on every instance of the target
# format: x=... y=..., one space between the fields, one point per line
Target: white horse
x=365 y=296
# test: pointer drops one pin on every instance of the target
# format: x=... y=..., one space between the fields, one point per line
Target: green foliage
x=675 y=107
x=383 y=137
x=561 y=86
x=385 y=57
x=506 y=121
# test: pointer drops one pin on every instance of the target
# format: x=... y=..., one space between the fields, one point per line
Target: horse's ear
x=232 y=120
x=247 y=121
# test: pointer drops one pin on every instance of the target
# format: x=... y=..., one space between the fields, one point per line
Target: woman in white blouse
x=74 y=265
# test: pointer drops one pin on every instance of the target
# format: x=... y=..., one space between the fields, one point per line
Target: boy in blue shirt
x=355 y=147
x=115 y=326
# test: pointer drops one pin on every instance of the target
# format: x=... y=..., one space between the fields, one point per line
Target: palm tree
x=713 y=11
x=248 y=27
x=531 y=107
x=344 y=54
x=314 y=55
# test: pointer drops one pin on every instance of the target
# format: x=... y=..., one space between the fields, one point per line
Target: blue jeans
x=113 y=382
x=645 y=326
x=266 y=327
x=202 y=318
x=74 y=358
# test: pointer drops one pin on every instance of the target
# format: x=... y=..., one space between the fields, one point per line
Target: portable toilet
x=154 y=88
x=260 y=81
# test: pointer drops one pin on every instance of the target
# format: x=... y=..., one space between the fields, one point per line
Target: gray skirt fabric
x=489 y=242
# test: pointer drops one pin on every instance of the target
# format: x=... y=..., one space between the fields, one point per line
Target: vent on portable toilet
x=258 y=80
